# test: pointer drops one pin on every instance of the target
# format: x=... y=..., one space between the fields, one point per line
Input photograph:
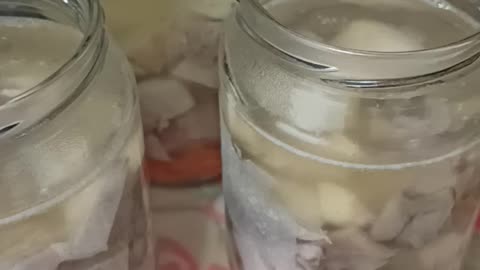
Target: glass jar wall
x=350 y=135
x=72 y=190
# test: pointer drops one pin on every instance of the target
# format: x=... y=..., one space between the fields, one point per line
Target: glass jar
x=72 y=190
x=173 y=47
x=350 y=135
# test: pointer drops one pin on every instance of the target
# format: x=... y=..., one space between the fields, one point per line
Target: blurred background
x=173 y=46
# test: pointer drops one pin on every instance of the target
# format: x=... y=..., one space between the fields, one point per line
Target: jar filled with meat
x=72 y=189
x=351 y=133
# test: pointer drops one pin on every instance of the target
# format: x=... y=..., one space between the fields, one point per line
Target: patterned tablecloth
x=189 y=230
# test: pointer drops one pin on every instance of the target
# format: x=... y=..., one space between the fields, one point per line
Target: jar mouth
x=41 y=91
x=338 y=61
x=94 y=17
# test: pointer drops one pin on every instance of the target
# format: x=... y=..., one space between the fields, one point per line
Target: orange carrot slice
x=199 y=162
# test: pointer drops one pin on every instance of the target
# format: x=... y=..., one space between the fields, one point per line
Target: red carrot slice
x=198 y=162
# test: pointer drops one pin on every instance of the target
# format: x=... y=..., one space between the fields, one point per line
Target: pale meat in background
x=173 y=46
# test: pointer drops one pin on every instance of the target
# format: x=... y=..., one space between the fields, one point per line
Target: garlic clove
x=189 y=37
x=353 y=249
x=424 y=228
x=375 y=36
x=357 y=240
x=129 y=21
x=413 y=220
x=370 y=35
x=391 y=220
x=302 y=202
x=193 y=70
x=342 y=146
x=340 y=207
x=164 y=98
x=314 y=111
x=156 y=52
x=242 y=132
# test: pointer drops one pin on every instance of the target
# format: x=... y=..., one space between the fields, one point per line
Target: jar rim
x=455 y=43
x=95 y=19
x=256 y=17
x=35 y=104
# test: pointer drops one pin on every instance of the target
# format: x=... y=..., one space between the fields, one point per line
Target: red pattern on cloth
x=171 y=255
x=189 y=229
x=207 y=251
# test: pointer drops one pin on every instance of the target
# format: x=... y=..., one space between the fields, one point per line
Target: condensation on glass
x=350 y=133
x=72 y=192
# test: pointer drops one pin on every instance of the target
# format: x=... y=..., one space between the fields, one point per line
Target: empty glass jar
x=71 y=185
x=351 y=133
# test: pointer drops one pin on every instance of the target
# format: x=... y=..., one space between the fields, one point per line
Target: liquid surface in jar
x=311 y=111
x=373 y=22
x=30 y=51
